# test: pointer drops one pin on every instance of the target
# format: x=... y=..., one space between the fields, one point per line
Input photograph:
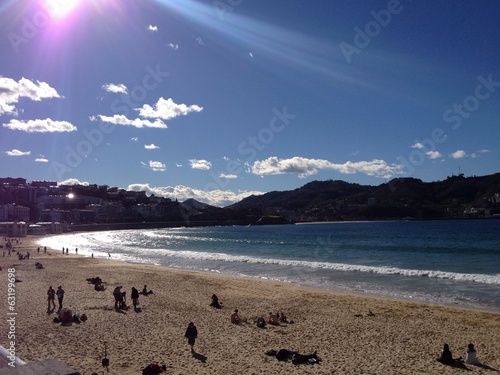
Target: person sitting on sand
x=153 y=369
x=446 y=357
x=235 y=318
x=471 y=355
x=282 y=317
x=260 y=322
x=273 y=319
x=215 y=302
x=145 y=291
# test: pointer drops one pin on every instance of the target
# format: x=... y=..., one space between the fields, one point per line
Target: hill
x=400 y=198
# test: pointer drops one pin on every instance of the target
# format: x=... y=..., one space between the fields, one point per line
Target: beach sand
x=399 y=338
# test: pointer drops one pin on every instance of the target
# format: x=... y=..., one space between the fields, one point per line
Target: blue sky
x=217 y=100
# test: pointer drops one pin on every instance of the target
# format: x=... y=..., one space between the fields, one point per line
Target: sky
x=220 y=99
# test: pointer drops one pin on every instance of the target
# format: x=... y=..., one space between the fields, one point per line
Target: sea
x=444 y=262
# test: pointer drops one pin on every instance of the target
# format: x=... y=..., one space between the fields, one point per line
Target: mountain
x=400 y=198
x=193 y=203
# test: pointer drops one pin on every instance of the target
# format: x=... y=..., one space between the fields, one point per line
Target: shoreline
x=399 y=338
x=410 y=298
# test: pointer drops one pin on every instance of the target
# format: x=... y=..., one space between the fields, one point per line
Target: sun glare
x=60 y=8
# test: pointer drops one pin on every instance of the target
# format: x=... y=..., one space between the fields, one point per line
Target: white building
x=13 y=229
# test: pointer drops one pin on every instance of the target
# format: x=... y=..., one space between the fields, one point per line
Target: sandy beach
x=397 y=338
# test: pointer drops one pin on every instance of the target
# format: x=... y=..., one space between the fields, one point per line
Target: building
x=12 y=211
x=13 y=229
x=45 y=184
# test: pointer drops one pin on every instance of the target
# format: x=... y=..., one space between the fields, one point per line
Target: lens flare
x=59 y=9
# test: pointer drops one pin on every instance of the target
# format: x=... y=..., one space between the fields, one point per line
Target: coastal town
x=47 y=207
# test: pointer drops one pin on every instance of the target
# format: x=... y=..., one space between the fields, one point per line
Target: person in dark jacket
x=191 y=334
x=446 y=357
x=215 y=302
x=135 y=297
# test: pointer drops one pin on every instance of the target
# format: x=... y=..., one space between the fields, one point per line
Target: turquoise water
x=444 y=262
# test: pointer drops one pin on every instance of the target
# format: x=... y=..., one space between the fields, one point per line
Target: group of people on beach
x=446 y=357
x=121 y=296
x=274 y=319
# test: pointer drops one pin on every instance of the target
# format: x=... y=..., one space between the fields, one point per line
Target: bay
x=443 y=262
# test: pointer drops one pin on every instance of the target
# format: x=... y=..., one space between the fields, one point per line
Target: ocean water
x=443 y=262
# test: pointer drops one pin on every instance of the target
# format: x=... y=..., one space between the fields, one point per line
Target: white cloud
x=41 y=159
x=306 y=167
x=200 y=41
x=200 y=164
x=459 y=154
x=11 y=91
x=117 y=89
x=123 y=120
x=228 y=176
x=157 y=166
x=173 y=46
x=73 y=181
x=40 y=126
x=219 y=198
x=152 y=146
x=16 y=152
x=418 y=145
x=433 y=154
x=166 y=109
x=134 y=139
x=152 y=28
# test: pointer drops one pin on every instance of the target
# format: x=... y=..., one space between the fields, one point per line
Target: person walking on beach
x=51 y=296
x=60 y=296
x=191 y=334
x=135 y=297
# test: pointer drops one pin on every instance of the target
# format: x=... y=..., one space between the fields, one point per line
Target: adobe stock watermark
x=251 y=146
x=95 y=137
x=11 y=317
x=223 y=6
x=455 y=115
x=31 y=26
x=372 y=29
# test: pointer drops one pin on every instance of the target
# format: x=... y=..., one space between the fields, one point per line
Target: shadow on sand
x=199 y=357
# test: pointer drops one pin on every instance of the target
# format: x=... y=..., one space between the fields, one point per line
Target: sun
x=59 y=9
